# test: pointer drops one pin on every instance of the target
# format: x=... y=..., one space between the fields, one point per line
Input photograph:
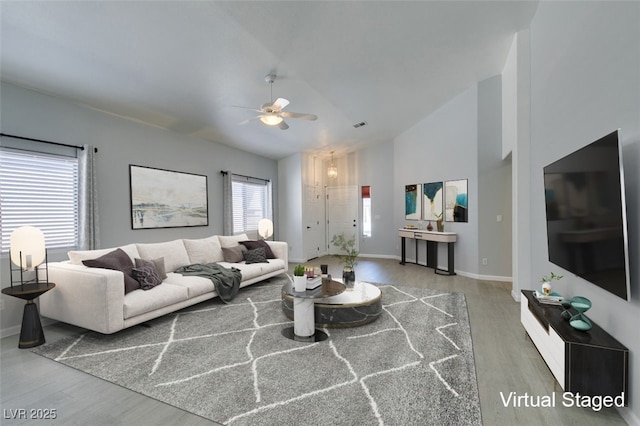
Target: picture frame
x=456 y=201
x=432 y=201
x=413 y=202
x=167 y=199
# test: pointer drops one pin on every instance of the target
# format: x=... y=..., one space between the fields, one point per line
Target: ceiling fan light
x=271 y=119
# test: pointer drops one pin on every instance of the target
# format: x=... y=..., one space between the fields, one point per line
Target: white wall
x=510 y=100
x=290 y=206
x=376 y=169
x=494 y=185
x=585 y=83
x=441 y=147
x=120 y=143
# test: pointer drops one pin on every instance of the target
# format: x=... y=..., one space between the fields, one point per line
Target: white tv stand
x=587 y=362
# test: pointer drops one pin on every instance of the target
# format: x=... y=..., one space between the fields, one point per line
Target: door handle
x=308 y=227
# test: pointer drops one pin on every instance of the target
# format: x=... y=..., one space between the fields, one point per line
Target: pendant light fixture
x=332 y=171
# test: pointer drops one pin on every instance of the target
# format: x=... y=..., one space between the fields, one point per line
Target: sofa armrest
x=280 y=250
x=91 y=298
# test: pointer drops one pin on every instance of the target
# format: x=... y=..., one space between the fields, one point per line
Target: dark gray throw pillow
x=116 y=260
x=147 y=276
x=254 y=244
x=255 y=256
x=158 y=264
x=233 y=254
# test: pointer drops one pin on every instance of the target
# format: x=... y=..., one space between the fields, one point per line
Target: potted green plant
x=348 y=257
x=299 y=278
x=546 y=282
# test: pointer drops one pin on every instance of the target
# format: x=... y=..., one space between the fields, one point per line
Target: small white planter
x=300 y=283
x=546 y=288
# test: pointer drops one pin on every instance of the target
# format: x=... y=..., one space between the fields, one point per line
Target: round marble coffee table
x=303 y=313
x=353 y=307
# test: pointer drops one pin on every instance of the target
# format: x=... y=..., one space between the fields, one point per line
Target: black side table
x=31 y=334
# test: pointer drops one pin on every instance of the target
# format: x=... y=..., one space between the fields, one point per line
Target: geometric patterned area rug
x=230 y=363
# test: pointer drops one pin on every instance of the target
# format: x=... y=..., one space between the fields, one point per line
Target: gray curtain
x=227 y=204
x=88 y=230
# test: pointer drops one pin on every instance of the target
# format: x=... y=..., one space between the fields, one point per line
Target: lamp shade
x=27 y=247
x=265 y=228
x=271 y=119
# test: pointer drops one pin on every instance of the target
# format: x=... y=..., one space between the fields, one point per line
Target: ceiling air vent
x=360 y=124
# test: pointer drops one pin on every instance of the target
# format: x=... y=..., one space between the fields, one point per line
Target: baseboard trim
x=380 y=256
x=629 y=416
x=13 y=330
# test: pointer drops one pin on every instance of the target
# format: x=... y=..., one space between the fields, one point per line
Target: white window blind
x=250 y=204
x=40 y=190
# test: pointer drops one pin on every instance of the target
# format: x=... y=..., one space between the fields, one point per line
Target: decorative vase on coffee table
x=348 y=277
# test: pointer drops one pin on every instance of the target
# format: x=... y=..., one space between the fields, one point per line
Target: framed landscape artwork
x=456 y=201
x=167 y=199
x=412 y=202
x=432 y=207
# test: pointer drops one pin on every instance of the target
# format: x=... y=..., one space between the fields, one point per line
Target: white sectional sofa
x=94 y=298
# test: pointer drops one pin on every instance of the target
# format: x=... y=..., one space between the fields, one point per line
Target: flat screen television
x=586 y=215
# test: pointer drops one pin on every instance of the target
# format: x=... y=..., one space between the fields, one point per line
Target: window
x=366 y=211
x=40 y=190
x=251 y=200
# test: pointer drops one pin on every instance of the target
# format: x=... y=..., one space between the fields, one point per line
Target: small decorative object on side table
x=27 y=252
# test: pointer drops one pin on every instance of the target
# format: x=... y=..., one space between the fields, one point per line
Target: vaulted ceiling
x=186 y=65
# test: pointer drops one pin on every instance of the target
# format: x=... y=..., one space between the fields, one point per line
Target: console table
x=432 y=238
x=590 y=362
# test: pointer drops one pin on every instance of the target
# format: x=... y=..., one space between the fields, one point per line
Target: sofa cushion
x=234 y=254
x=147 y=276
x=156 y=264
x=255 y=256
x=77 y=256
x=140 y=302
x=116 y=260
x=254 y=270
x=254 y=244
x=231 y=240
x=174 y=253
x=195 y=285
x=205 y=250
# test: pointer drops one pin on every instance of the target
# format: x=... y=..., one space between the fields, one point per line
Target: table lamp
x=265 y=228
x=27 y=250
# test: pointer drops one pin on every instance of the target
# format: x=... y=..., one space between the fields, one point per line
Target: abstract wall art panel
x=456 y=201
x=167 y=199
x=412 y=202
x=432 y=207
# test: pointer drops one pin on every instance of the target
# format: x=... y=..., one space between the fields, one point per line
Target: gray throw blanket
x=225 y=280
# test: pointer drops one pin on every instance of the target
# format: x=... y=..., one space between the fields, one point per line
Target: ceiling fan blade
x=248 y=120
x=279 y=104
x=300 y=115
x=249 y=108
x=283 y=125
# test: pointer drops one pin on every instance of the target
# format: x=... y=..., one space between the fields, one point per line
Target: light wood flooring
x=506 y=361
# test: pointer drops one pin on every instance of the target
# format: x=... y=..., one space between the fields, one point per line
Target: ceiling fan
x=272 y=113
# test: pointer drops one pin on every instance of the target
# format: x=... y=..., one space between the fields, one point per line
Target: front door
x=342 y=214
